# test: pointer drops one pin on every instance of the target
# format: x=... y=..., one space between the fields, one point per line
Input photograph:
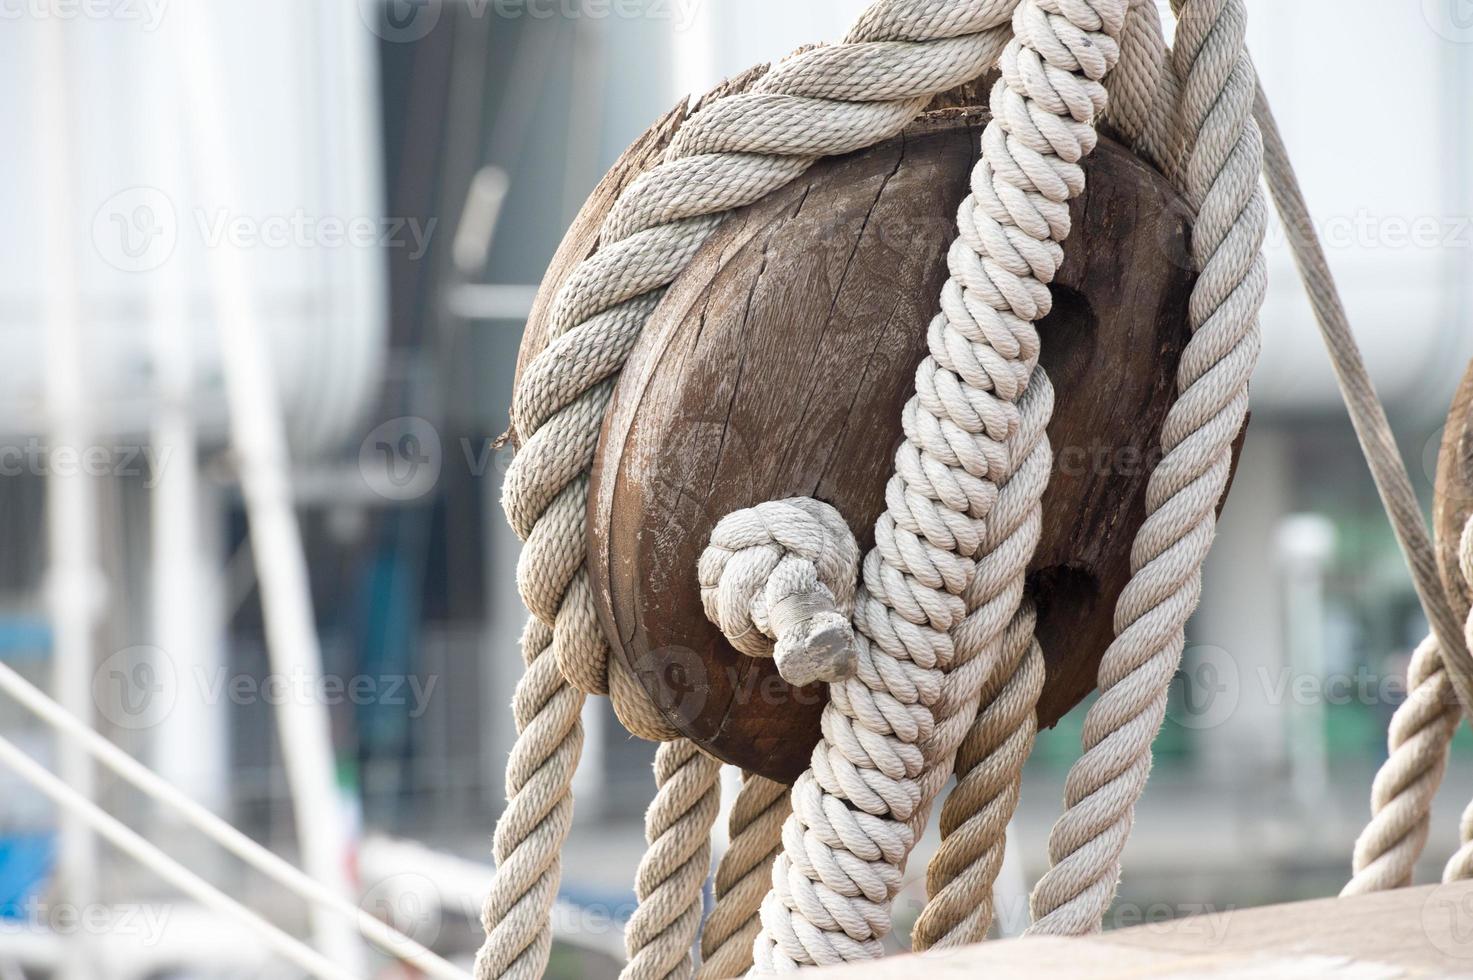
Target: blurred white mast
x=189 y=746
x=73 y=582
x=258 y=439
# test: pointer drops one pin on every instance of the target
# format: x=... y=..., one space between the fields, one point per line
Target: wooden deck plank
x=1409 y=933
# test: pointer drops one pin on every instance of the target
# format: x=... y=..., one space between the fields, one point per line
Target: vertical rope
x=974 y=819
x=729 y=152
x=743 y=876
x=989 y=765
x=672 y=874
x=1222 y=181
x=530 y=834
x=856 y=810
x=1401 y=795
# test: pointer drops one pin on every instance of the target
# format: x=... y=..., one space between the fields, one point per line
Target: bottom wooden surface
x=1411 y=932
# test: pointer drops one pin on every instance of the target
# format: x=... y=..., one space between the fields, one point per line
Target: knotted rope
x=730 y=152
x=884 y=753
x=779 y=579
x=942 y=588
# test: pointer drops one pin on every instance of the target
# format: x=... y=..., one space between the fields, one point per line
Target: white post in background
x=1306 y=543
x=258 y=439
x=189 y=744
x=73 y=584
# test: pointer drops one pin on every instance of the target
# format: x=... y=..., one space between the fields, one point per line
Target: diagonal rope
x=176 y=874
x=220 y=831
x=1363 y=405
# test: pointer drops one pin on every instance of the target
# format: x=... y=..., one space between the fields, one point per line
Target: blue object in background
x=26 y=861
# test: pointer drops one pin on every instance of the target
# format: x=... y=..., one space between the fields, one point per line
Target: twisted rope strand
x=1460 y=866
x=872 y=777
x=742 y=877
x=725 y=155
x=672 y=873
x=1222 y=182
x=990 y=762
x=1401 y=795
x=530 y=834
x=974 y=819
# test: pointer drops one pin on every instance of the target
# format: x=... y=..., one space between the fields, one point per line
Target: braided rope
x=856 y=810
x=730 y=152
x=742 y=877
x=1401 y=795
x=1222 y=181
x=672 y=873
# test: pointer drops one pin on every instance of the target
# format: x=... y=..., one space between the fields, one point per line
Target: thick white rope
x=1417 y=739
x=990 y=762
x=729 y=153
x=743 y=876
x=1460 y=866
x=171 y=871
x=672 y=873
x=387 y=938
x=855 y=811
x=778 y=579
x=1222 y=181
x=989 y=771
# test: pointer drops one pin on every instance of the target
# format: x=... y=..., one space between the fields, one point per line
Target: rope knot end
x=778 y=579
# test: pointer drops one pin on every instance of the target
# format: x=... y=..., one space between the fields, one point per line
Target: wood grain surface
x=777 y=365
x=1401 y=934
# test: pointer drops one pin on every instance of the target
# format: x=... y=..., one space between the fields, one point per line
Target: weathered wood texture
x=1453 y=500
x=1405 y=933
x=777 y=365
